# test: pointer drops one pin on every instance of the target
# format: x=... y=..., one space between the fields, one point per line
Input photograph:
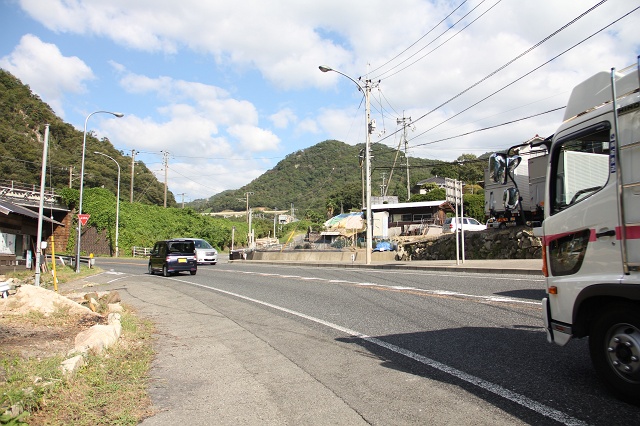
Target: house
x=19 y=231
x=408 y=218
x=438 y=180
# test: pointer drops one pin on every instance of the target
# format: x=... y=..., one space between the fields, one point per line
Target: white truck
x=591 y=227
x=520 y=199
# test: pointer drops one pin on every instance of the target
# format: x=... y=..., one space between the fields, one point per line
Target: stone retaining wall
x=510 y=243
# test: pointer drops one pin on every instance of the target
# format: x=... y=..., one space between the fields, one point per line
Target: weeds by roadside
x=110 y=389
x=63 y=274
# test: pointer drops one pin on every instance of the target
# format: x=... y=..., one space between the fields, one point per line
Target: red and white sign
x=83 y=218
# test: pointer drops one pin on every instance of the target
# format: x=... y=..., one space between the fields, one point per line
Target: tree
x=470 y=168
x=474 y=206
x=437 y=194
x=428 y=187
x=447 y=170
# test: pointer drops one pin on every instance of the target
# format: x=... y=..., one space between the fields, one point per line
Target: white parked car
x=205 y=253
x=468 y=224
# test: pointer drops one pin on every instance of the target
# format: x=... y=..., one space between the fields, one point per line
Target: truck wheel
x=165 y=271
x=614 y=344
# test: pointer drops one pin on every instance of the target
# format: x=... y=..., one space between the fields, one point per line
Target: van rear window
x=181 y=247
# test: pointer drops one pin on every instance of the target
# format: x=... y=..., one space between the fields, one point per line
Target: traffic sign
x=83 y=218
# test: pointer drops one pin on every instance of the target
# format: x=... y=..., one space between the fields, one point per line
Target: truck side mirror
x=498 y=168
x=511 y=198
x=512 y=163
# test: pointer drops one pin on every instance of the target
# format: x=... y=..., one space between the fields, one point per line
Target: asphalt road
x=263 y=344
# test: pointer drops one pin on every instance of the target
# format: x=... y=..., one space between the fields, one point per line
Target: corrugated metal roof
x=407 y=205
x=7 y=207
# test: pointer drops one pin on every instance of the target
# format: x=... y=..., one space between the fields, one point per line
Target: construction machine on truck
x=591 y=227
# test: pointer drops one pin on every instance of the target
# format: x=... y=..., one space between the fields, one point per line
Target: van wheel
x=165 y=271
x=192 y=272
x=150 y=269
x=614 y=344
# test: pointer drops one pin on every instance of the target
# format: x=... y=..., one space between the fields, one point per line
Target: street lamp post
x=117 y=200
x=366 y=89
x=84 y=147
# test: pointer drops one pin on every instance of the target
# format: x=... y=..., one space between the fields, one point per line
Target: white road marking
x=496 y=389
x=500 y=299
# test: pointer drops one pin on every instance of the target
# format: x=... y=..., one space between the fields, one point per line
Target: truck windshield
x=581 y=169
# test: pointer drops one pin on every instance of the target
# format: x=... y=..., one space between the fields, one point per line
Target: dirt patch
x=31 y=338
x=35 y=322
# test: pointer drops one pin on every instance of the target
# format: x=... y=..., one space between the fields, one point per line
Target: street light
x=84 y=146
x=117 y=199
x=366 y=89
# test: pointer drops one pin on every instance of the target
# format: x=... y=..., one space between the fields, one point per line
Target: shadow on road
x=531 y=294
x=517 y=359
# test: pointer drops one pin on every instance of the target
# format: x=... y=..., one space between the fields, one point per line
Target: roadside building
x=390 y=220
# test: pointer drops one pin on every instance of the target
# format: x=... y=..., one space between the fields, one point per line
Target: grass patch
x=109 y=390
x=63 y=274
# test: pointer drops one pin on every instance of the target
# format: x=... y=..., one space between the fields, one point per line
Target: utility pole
x=405 y=121
x=165 y=161
x=41 y=207
x=383 y=186
x=246 y=194
x=361 y=159
x=70 y=175
x=275 y=215
x=370 y=125
x=250 y=236
x=183 y=194
x=369 y=130
x=133 y=162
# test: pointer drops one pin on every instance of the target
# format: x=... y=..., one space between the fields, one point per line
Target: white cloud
x=307 y=126
x=254 y=139
x=262 y=56
x=47 y=71
x=283 y=118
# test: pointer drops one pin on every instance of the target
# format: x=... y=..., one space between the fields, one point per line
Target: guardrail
x=66 y=259
x=141 y=251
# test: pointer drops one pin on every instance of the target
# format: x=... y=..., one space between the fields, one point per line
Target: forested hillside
x=326 y=174
x=23 y=116
x=326 y=177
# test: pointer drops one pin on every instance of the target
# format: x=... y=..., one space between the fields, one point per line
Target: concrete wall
x=320 y=256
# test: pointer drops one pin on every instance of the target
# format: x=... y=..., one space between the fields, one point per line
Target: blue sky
x=228 y=89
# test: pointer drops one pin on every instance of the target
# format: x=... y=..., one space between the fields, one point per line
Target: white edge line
x=519 y=399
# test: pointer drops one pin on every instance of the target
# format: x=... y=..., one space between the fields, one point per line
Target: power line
x=523 y=76
x=441 y=44
x=490 y=127
x=511 y=62
x=427 y=33
x=486 y=128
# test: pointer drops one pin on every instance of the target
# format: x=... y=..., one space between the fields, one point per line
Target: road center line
x=501 y=299
x=496 y=389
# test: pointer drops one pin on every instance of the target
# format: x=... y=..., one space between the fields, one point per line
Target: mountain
x=327 y=173
x=23 y=116
x=326 y=176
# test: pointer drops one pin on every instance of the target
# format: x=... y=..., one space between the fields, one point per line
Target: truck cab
x=591 y=228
